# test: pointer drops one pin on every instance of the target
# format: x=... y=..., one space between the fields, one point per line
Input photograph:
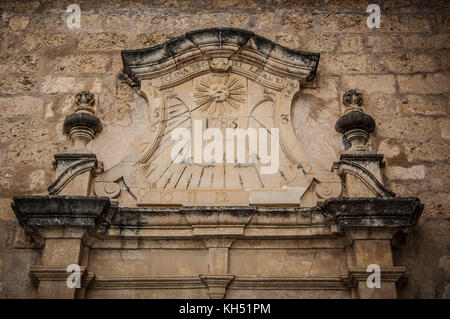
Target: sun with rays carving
x=219 y=94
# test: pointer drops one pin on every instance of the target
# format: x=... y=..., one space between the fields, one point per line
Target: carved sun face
x=219 y=94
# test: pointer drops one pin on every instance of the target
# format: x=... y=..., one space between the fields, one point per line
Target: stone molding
x=44 y=273
x=304 y=283
x=221 y=46
x=161 y=282
x=218 y=222
x=35 y=212
x=220 y=282
x=373 y=212
x=398 y=275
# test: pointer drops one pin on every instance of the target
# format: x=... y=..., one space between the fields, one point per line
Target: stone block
x=35 y=41
x=409 y=63
x=427 y=151
x=61 y=252
x=415 y=172
x=14 y=84
x=413 y=127
x=366 y=252
x=64 y=84
x=425 y=42
x=432 y=83
x=444 y=126
x=84 y=63
x=297 y=21
x=439 y=176
x=102 y=41
x=370 y=84
x=389 y=149
x=349 y=64
x=18 y=64
x=400 y=23
x=421 y=104
x=344 y=22
x=351 y=44
x=21 y=106
x=383 y=43
x=240 y=4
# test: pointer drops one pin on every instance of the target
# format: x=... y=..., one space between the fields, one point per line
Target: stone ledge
x=162 y=282
x=388 y=274
x=57 y=211
x=372 y=212
x=43 y=273
x=226 y=282
x=305 y=283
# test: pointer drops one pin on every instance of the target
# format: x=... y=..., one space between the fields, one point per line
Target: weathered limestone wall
x=402 y=69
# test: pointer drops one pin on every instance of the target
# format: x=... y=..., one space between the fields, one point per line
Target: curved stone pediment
x=221 y=47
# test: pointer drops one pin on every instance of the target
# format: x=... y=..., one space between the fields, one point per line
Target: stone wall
x=402 y=69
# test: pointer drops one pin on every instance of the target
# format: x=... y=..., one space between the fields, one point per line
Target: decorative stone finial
x=83 y=124
x=85 y=102
x=352 y=99
x=355 y=124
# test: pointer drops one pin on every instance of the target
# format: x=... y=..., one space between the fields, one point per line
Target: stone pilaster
x=368 y=214
x=62 y=224
x=369 y=225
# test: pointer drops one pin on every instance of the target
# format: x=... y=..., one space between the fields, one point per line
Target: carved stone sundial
x=224 y=79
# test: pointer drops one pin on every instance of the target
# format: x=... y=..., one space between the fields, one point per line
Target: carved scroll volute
x=107 y=189
x=321 y=182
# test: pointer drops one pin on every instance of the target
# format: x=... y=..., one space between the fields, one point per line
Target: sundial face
x=191 y=155
x=219 y=101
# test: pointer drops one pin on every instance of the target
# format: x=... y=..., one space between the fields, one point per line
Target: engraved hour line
x=174 y=160
x=259 y=177
x=187 y=118
x=189 y=181
x=261 y=124
x=201 y=176
x=180 y=176
x=267 y=99
x=188 y=142
x=188 y=111
x=168 y=180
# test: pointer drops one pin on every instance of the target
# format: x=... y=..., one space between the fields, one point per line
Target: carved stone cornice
x=216 y=222
x=219 y=46
x=373 y=212
x=35 y=212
